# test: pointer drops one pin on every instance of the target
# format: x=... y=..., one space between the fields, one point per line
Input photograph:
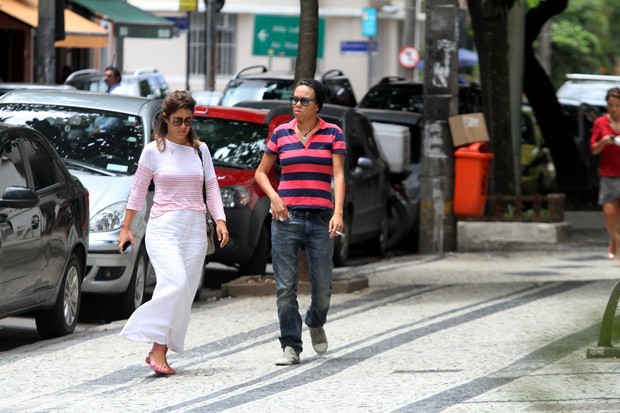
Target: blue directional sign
x=369 y=22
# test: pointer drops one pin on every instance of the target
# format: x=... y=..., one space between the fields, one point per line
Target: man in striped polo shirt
x=311 y=153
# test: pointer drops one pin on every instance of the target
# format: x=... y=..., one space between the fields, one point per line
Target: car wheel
x=257 y=265
x=411 y=242
x=61 y=319
x=126 y=303
x=342 y=246
x=379 y=245
x=397 y=219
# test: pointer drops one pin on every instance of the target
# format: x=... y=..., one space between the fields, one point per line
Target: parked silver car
x=6 y=87
x=99 y=138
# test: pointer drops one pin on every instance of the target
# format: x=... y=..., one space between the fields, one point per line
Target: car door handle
x=34 y=222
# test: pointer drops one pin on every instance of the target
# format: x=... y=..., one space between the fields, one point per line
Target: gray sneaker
x=289 y=357
x=319 y=339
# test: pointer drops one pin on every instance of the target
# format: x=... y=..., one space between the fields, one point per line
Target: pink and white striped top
x=178 y=177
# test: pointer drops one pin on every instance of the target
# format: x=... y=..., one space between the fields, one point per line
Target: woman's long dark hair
x=179 y=99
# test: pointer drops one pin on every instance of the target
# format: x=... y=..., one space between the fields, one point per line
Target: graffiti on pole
x=441 y=67
x=433 y=141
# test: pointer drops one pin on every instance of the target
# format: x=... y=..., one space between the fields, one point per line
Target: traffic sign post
x=409 y=57
x=369 y=29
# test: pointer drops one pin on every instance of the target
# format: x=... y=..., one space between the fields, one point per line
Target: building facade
x=242 y=25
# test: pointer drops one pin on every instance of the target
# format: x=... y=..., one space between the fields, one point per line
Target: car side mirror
x=364 y=163
x=19 y=197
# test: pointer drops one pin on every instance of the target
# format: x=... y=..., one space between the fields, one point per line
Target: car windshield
x=232 y=143
x=94 y=84
x=256 y=89
x=410 y=98
x=104 y=140
x=394 y=98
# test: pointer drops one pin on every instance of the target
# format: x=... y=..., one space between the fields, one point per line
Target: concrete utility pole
x=45 y=54
x=437 y=220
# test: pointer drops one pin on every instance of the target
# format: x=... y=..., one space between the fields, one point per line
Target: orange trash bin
x=471 y=179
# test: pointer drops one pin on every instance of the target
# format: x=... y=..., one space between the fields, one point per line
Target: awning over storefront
x=129 y=21
x=79 y=32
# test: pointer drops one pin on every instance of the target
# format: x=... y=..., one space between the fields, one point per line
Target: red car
x=237 y=138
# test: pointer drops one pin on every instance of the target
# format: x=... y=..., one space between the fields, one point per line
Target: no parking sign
x=409 y=57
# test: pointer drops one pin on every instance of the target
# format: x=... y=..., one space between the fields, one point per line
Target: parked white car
x=99 y=138
x=146 y=81
x=585 y=88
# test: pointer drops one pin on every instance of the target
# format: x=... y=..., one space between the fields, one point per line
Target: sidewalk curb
x=257 y=286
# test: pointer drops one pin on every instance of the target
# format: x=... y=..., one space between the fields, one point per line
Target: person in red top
x=311 y=153
x=605 y=140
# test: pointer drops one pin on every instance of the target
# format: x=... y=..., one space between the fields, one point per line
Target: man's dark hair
x=320 y=90
x=117 y=72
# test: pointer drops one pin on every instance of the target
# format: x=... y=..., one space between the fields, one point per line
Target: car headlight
x=236 y=196
x=108 y=219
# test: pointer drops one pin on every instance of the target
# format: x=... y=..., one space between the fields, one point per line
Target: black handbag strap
x=204 y=190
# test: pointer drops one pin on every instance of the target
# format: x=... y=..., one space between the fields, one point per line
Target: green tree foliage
x=575 y=50
x=585 y=38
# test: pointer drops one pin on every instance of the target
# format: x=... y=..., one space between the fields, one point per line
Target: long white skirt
x=176 y=243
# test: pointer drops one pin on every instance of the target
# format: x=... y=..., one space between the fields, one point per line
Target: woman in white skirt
x=176 y=235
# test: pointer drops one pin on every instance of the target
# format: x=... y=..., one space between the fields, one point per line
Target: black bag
x=210 y=224
x=210 y=234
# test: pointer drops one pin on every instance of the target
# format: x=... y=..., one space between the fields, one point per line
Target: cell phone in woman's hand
x=126 y=247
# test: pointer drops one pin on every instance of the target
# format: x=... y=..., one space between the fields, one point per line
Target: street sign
x=369 y=22
x=279 y=36
x=188 y=5
x=409 y=57
x=357 y=46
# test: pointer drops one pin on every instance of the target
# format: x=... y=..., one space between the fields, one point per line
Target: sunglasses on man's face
x=304 y=101
x=186 y=121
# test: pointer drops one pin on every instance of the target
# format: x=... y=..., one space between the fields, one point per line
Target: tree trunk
x=490 y=22
x=45 y=54
x=305 y=66
x=571 y=172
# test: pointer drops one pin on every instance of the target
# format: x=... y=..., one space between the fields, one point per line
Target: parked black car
x=400 y=95
x=396 y=93
x=582 y=99
x=405 y=199
x=257 y=83
x=43 y=233
x=367 y=177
